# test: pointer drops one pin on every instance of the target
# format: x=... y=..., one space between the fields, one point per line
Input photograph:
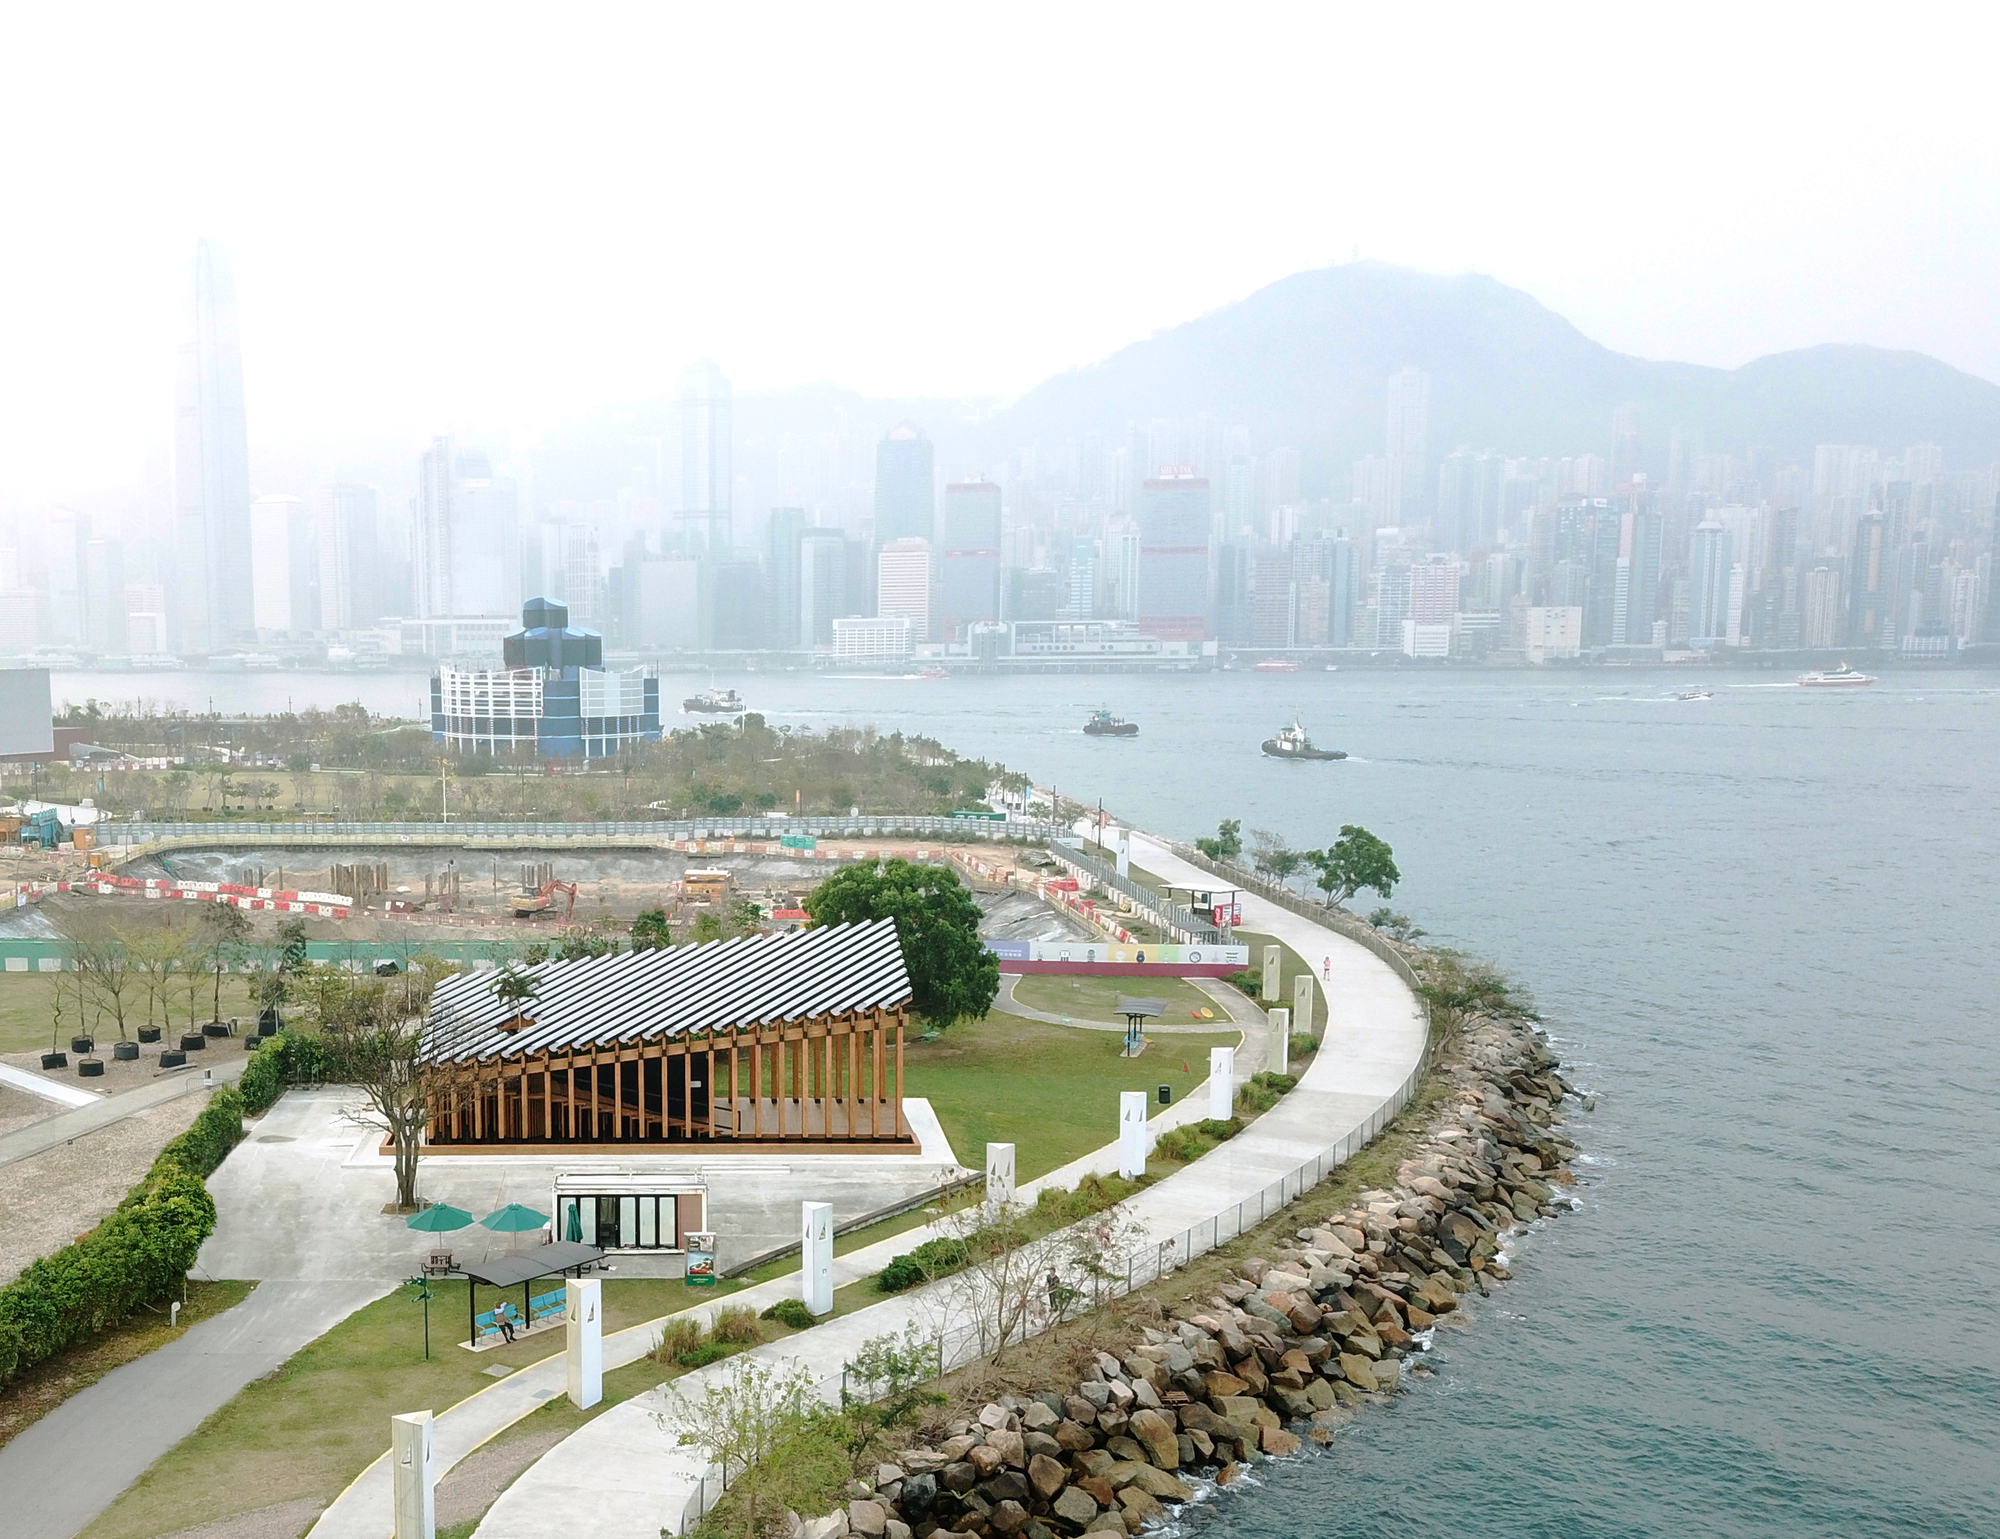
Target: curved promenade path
x=617 y=1477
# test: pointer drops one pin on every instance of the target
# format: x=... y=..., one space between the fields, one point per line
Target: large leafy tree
x=1357 y=860
x=952 y=974
x=1227 y=843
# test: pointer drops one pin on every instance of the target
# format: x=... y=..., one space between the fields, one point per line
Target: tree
x=651 y=932
x=377 y=1046
x=97 y=943
x=741 y=1417
x=952 y=974
x=1227 y=843
x=1357 y=860
x=224 y=929
x=516 y=988
x=1272 y=856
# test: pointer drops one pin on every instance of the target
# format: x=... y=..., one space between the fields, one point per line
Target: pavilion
x=778 y=1042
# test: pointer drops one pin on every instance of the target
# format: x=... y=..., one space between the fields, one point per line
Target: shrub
x=1250 y=981
x=138 y=1254
x=1194 y=1139
x=1303 y=1044
x=735 y=1325
x=701 y=1356
x=792 y=1313
x=676 y=1337
x=933 y=1258
x=264 y=1080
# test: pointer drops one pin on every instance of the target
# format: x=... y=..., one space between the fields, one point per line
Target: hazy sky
x=446 y=217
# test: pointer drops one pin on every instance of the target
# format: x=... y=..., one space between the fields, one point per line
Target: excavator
x=532 y=905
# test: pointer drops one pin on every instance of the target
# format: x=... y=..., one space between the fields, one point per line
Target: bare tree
x=376 y=1043
x=95 y=940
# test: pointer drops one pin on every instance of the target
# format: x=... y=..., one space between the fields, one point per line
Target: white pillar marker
x=1279 y=1054
x=1274 y=980
x=584 y=1319
x=816 y=1256
x=1131 y=1134
x=999 y=1179
x=1221 y=1083
x=1302 y=1002
x=1124 y=853
x=412 y=1461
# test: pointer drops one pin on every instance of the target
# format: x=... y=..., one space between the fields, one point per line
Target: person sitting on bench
x=503 y=1316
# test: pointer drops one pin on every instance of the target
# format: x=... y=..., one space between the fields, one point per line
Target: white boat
x=713 y=702
x=1842 y=677
x=1276 y=665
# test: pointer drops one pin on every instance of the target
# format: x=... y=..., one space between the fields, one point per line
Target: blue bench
x=543 y=1305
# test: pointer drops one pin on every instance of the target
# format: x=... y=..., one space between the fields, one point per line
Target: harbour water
x=1761 y=929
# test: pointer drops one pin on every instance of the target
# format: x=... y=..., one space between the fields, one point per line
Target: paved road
x=50 y=1132
x=617 y=1477
x=68 y=1467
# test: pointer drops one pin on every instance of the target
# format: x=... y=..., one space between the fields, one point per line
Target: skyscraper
x=284 y=566
x=1708 y=609
x=1408 y=442
x=905 y=486
x=969 y=565
x=781 y=576
x=211 y=468
x=707 y=465
x=822 y=584
x=903 y=584
x=344 y=520
x=1173 y=556
x=437 y=485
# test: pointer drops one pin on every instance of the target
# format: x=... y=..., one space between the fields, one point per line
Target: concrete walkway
x=618 y=1477
x=56 y=1090
x=102 y=1111
x=68 y=1467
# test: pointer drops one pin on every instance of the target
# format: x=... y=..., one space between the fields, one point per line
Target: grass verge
x=40 y=1389
x=1051 y=1091
x=25 y=1000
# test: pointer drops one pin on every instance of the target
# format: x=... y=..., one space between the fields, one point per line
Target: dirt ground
x=287 y=1520
x=48 y=1199
x=18 y=1108
x=121 y=1074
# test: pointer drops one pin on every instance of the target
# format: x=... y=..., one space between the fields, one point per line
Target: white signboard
x=816 y=1255
x=585 y=1319
x=1131 y=1134
x=1221 y=1083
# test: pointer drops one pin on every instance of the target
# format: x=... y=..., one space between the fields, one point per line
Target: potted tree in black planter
x=226 y=930
x=90 y=1068
x=55 y=1058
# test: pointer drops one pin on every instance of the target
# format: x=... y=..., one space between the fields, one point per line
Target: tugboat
x=713 y=702
x=1842 y=677
x=1104 y=724
x=1293 y=743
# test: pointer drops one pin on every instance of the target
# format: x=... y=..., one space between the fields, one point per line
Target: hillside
x=1305 y=361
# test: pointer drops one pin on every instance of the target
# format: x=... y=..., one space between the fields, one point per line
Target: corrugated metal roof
x=630 y=996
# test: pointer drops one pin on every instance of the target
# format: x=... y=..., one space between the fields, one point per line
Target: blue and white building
x=553 y=698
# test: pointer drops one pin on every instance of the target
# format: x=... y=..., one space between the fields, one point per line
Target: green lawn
x=1096 y=999
x=1051 y=1091
x=25 y=1001
x=311 y=1427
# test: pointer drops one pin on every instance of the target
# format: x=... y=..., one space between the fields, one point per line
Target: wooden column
x=712 y=1087
x=876 y=1087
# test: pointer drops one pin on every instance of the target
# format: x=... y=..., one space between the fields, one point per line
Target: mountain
x=1305 y=362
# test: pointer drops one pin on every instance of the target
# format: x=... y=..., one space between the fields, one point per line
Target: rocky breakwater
x=1284 y=1349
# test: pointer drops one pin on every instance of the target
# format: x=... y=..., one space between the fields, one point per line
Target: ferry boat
x=1292 y=742
x=1104 y=724
x=934 y=672
x=713 y=702
x=1842 y=677
x=1276 y=665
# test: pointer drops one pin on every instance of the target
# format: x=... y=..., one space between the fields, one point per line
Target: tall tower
x=211 y=468
x=1408 y=442
x=437 y=487
x=905 y=486
x=706 y=463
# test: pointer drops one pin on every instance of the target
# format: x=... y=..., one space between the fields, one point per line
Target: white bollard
x=1279 y=1054
x=1124 y=854
x=1221 y=1083
x=999 y=1179
x=1274 y=977
x=411 y=1458
x=816 y=1256
x=1132 y=1130
x=585 y=1321
x=1302 y=1002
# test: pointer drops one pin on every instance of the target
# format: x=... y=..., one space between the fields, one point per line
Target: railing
x=1152 y=1261
x=662 y=829
x=1168 y=915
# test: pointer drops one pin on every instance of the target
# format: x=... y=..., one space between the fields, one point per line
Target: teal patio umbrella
x=440 y=1217
x=514 y=1219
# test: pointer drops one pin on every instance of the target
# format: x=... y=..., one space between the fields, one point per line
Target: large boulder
x=870 y=1520
x=1154 y=1431
x=1046 y=1476
x=1008 y=1517
x=1074 y=1509
x=919 y=1494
